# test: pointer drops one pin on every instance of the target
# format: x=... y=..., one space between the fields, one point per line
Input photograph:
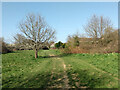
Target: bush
x=107 y=44
x=60 y=45
x=4 y=48
x=45 y=48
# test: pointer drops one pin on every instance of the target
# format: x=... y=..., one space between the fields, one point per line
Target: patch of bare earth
x=66 y=80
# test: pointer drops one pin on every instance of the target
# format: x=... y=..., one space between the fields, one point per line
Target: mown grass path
x=56 y=70
x=63 y=81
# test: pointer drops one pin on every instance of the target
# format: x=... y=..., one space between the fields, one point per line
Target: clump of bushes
x=45 y=48
x=107 y=44
x=60 y=45
x=4 y=47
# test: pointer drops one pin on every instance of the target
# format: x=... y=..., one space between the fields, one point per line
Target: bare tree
x=98 y=26
x=36 y=32
x=19 y=40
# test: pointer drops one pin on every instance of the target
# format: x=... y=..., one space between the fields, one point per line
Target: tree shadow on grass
x=39 y=80
x=8 y=52
x=56 y=56
x=85 y=80
x=42 y=80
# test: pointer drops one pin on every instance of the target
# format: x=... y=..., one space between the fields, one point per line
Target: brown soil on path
x=66 y=80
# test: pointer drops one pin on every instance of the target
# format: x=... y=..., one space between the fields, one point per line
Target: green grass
x=21 y=70
x=20 y=67
x=92 y=70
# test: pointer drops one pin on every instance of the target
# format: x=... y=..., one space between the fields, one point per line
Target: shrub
x=4 y=48
x=60 y=45
x=107 y=44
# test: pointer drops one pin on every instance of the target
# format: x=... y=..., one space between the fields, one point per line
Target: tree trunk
x=36 y=53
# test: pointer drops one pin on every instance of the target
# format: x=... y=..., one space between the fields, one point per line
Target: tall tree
x=98 y=26
x=36 y=32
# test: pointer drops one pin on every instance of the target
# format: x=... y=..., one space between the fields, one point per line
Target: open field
x=56 y=70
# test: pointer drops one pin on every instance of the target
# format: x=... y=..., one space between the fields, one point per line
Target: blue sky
x=65 y=17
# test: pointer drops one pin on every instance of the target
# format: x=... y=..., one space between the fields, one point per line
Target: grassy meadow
x=56 y=70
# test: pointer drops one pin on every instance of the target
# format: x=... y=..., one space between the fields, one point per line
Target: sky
x=66 y=18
